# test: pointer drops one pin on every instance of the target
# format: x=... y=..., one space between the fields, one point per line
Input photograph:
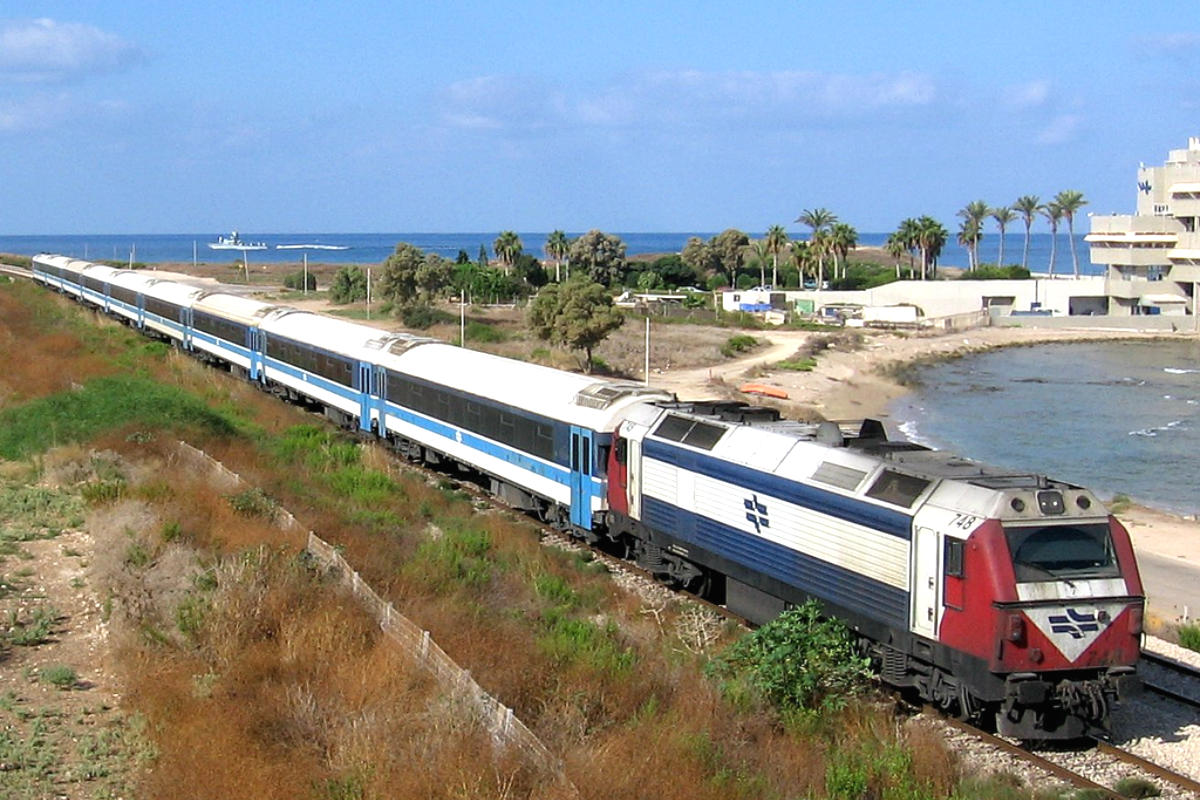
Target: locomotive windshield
x=1053 y=552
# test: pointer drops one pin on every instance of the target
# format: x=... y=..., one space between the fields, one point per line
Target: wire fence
x=502 y=724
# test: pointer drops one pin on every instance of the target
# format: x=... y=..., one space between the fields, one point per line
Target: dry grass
x=272 y=684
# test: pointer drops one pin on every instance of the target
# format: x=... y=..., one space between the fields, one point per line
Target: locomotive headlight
x=1051 y=503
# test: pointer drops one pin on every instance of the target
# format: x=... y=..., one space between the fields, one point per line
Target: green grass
x=103 y=404
x=798 y=364
x=1189 y=637
x=59 y=675
x=738 y=344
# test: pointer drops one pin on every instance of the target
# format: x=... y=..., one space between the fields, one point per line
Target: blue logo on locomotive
x=756 y=513
x=1075 y=623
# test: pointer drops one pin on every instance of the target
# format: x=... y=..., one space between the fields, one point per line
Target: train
x=1008 y=598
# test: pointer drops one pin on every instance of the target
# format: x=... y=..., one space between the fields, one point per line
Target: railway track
x=1171 y=679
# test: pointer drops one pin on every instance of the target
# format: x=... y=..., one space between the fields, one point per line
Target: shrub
x=297 y=279
x=422 y=317
x=738 y=344
x=59 y=675
x=482 y=332
x=798 y=661
x=807 y=364
x=252 y=503
x=1136 y=787
x=990 y=272
x=1189 y=637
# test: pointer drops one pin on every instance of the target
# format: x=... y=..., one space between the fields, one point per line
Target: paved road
x=1172 y=585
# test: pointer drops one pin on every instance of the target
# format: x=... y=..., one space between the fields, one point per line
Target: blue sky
x=162 y=117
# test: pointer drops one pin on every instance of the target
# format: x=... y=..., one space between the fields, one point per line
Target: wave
x=1175 y=425
x=1180 y=371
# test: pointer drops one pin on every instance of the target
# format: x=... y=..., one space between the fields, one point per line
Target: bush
x=482 y=332
x=1189 y=637
x=799 y=661
x=296 y=280
x=1136 y=787
x=59 y=675
x=422 y=317
x=738 y=344
x=991 y=272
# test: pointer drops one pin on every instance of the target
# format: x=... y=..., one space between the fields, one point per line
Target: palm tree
x=1053 y=213
x=973 y=214
x=557 y=247
x=777 y=240
x=1027 y=206
x=508 y=248
x=909 y=234
x=1069 y=201
x=896 y=247
x=968 y=235
x=802 y=255
x=1003 y=215
x=820 y=220
x=931 y=238
x=842 y=239
x=761 y=252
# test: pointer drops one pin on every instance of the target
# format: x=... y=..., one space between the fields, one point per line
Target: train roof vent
x=399 y=344
x=603 y=395
x=749 y=414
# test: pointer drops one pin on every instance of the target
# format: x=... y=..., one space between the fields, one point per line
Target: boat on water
x=312 y=247
x=235 y=242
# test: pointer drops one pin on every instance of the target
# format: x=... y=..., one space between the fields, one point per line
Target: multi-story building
x=1153 y=256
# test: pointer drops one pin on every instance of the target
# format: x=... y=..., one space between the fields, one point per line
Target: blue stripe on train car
x=812 y=576
x=850 y=509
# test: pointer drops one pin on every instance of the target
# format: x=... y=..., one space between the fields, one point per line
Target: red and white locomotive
x=997 y=595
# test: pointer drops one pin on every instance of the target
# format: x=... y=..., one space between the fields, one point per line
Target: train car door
x=925 y=584
x=254 y=342
x=364 y=396
x=379 y=390
x=581 y=478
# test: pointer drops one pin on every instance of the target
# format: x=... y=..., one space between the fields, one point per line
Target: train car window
x=673 y=428
x=953 y=557
x=838 y=475
x=897 y=488
x=1050 y=552
x=704 y=436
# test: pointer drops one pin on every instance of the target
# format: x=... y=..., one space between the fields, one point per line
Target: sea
x=1119 y=417
x=373 y=248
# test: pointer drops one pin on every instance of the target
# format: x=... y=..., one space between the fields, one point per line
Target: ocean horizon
x=373 y=248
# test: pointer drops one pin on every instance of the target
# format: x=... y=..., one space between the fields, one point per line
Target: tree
x=557 y=248
x=601 y=254
x=672 y=271
x=760 y=254
x=777 y=240
x=508 y=248
x=1069 y=201
x=896 y=247
x=729 y=246
x=842 y=239
x=1028 y=206
x=700 y=256
x=1053 y=213
x=349 y=285
x=433 y=276
x=819 y=220
x=578 y=314
x=973 y=215
x=398 y=283
x=908 y=233
x=1003 y=215
x=931 y=238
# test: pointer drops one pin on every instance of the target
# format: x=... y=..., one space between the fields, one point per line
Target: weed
x=798 y=364
x=171 y=531
x=482 y=332
x=798 y=661
x=59 y=675
x=252 y=503
x=103 y=491
x=1120 y=503
x=1136 y=788
x=34 y=631
x=136 y=555
x=1189 y=637
x=740 y=343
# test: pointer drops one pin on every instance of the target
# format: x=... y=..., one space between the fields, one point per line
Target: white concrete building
x=1153 y=256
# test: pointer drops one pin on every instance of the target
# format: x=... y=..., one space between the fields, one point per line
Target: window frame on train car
x=897 y=488
x=953 y=557
x=695 y=433
x=1028 y=571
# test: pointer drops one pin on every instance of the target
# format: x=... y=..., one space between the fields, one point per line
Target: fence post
x=424 y=645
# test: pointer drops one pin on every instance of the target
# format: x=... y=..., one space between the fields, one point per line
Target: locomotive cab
x=1044 y=592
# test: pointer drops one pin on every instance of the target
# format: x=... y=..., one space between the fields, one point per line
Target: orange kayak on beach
x=763 y=389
